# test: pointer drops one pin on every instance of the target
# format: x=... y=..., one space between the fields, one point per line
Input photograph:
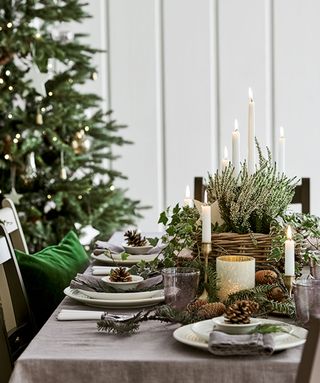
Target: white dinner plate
x=282 y=341
x=131 y=260
x=142 y=302
x=120 y=296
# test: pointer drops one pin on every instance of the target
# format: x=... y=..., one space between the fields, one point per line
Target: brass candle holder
x=288 y=281
x=206 y=249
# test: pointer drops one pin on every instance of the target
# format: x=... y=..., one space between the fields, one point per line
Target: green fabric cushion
x=47 y=273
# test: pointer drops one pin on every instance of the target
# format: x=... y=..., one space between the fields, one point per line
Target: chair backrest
x=10 y=219
x=5 y=355
x=309 y=368
x=17 y=315
x=301 y=194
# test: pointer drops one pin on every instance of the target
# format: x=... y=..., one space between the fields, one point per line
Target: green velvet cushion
x=47 y=273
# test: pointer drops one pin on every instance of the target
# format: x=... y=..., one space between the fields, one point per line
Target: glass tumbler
x=307 y=299
x=180 y=286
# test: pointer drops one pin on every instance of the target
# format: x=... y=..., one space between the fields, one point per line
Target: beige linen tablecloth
x=76 y=352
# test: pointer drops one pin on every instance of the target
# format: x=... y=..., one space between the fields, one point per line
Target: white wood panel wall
x=178 y=72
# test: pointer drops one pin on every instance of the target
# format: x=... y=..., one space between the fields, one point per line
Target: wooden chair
x=5 y=356
x=301 y=195
x=18 y=319
x=309 y=368
x=9 y=217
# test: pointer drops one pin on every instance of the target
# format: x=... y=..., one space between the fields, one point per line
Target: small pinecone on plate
x=135 y=239
x=211 y=310
x=120 y=274
x=240 y=312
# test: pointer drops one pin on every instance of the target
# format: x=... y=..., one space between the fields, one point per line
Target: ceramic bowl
x=125 y=286
x=137 y=250
x=220 y=324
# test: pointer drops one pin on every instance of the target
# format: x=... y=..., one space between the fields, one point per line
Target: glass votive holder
x=180 y=286
x=315 y=265
x=306 y=294
x=234 y=273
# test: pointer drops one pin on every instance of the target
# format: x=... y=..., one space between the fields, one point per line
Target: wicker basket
x=254 y=245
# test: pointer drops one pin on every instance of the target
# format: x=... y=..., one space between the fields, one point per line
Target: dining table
x=75 y=351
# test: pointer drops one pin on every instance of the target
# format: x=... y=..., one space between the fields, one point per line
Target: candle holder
x=288 y=281
x=206 y=249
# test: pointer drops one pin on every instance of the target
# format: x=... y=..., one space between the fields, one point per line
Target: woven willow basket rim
x=256 y=245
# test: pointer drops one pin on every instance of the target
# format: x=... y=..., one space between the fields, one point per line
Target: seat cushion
x=47 y=273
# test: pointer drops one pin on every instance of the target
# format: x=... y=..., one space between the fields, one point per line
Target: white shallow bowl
x=220 y=324
x=125 y=286
x=137 y=250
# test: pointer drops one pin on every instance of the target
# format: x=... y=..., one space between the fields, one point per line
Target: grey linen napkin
x=90 y=283
x=224 y=344
x=101 y=246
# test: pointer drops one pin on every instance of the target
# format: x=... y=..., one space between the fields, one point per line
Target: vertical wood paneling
x=135 y=98
x=179 y=73
x=242 y=39
x=188 y=104
x=297 y=82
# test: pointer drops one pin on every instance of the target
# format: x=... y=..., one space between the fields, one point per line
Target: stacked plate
x=197 y=334
x=110 y=300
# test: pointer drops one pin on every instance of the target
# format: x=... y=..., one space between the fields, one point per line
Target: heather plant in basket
x=249 y=203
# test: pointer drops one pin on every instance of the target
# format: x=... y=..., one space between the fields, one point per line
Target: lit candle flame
x=289 y=232
x=236 y=125
x=225 y=153
x=205 y=197
x=281 y=132
x=188 y=194
x=250 y=94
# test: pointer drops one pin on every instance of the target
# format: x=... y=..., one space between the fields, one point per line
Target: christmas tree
x=55 y=141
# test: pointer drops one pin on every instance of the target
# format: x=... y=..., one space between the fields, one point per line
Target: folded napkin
x=90 y=283
x=224 y=344
x=102 y=246
x=65 y=314
x=79 y=315
x=102 y=270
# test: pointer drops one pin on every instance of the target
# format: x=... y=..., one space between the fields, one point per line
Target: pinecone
x=240 y=311
x=134 y=238
x=193 y=307
x=211 y=310
x=120 y=274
